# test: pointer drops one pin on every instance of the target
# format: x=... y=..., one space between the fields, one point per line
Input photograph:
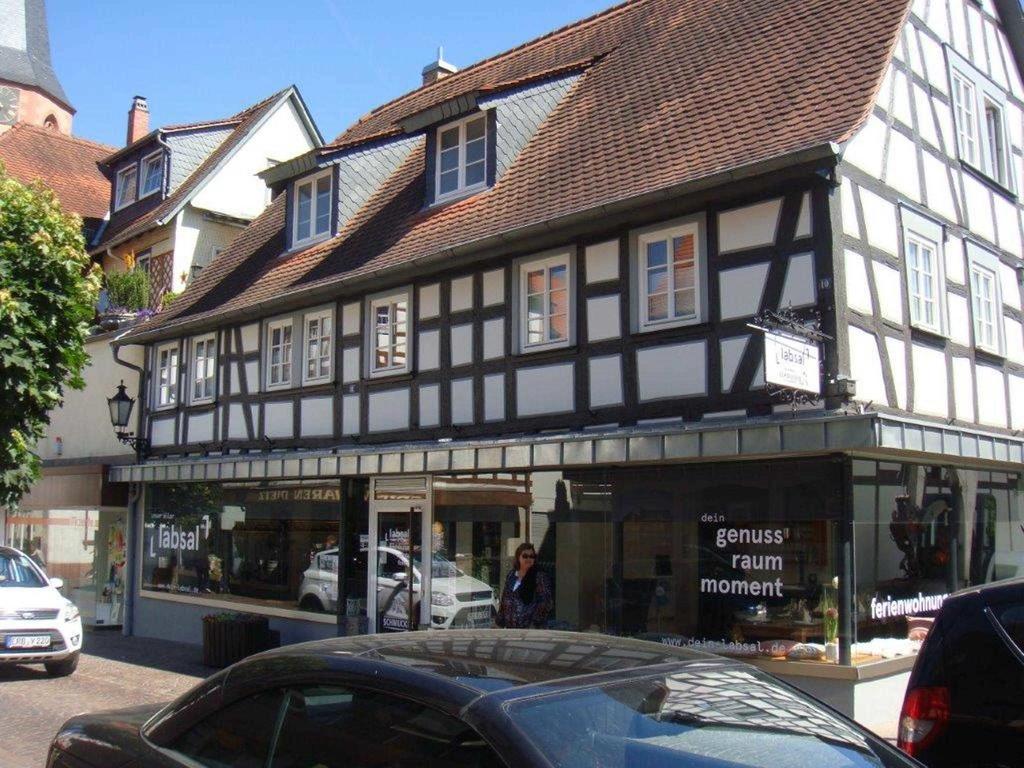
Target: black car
x=964 y=704
x=478 y=698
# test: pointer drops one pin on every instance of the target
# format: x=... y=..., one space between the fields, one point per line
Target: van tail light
x=925 y=715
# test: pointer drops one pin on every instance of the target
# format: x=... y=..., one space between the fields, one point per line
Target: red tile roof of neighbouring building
x=672 y=92
x=66 y=164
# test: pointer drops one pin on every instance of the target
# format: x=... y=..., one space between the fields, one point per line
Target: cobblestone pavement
x=114 y=672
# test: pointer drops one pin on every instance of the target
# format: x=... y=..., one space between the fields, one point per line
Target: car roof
x=457 y=666
x=993 y=590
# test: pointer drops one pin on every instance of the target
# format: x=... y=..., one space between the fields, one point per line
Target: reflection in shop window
x=273 y=545
x=920 y=533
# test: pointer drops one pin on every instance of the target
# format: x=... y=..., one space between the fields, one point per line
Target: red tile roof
x=682 y=91
x=123 y=227
x=66 y=164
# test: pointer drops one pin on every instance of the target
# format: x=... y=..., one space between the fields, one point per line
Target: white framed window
x=204 y=369
x=923 y=282
x=390 y=317
x=279 y=353
x=152 y=174
x=166 y=381
x=311 y=208
x=545 y=302
x=318 y=342
x=986 y=299
x=667 y=267
x=964 y=106
x=979 y=112
x=923 y=259
x=126 y=187
x=461 y=157
x=668 y=273
x=995 y=142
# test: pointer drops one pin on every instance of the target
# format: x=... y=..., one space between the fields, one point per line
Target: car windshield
x=706 y=715
x=440 y=568
x=16 y=571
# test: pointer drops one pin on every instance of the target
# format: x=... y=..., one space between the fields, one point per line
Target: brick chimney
x=138 y=119
x=437 y=70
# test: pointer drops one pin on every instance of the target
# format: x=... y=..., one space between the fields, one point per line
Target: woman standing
x=527 y=599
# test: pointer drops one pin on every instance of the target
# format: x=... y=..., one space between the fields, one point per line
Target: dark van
x=964 y=704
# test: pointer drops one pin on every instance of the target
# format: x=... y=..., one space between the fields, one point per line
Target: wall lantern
x=120 y=414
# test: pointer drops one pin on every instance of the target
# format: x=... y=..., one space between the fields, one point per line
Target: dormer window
x=461 y=157
x=311 y=208
x=152 y=174
x=127 y=186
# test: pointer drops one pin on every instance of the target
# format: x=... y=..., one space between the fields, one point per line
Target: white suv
x=38 y=625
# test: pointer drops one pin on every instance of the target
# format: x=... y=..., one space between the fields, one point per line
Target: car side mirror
x=57 y=582
x=400 y=576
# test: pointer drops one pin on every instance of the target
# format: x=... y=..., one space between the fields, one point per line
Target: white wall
x=83 y=422
x=906 y=154
x=235 y=190
x=195 y=237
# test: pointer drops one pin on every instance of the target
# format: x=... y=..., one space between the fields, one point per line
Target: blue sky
x=204 y=59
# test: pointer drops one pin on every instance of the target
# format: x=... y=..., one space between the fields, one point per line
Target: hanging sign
x=791 y=362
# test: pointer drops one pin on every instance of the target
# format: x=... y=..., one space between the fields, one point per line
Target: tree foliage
x=48 y=292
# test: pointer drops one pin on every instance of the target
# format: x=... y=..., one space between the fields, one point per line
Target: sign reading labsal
x=791 y=362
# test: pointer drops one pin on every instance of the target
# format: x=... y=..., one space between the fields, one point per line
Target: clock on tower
x=8 y=105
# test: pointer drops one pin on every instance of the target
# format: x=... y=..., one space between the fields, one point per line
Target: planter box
x=228 y=638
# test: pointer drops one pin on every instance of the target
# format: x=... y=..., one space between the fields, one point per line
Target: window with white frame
x=668 y=276
x=312 y=208
x=461 y=157
x=319 y=335
x=995 y=142
x=204 y=368
x=923 y=257
x=152 y=174
x=545 y=303
x=979 y=111
x=389 y=318
x=964 y=105
x=127 y=187
x=986 y=299
x=279 y=353
x=167 y=375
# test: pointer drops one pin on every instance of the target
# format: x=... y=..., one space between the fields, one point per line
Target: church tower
x=29 y=89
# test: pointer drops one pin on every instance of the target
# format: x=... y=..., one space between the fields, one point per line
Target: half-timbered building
x=528 y=301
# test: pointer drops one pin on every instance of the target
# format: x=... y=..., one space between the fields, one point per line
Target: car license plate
x=28 y=641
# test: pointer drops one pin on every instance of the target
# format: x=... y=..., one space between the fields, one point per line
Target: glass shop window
x=271 y=545
x=920 y=533
x=738 y=559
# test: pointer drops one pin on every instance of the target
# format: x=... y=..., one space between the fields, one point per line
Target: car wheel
x=62 y=668
x=311 y=603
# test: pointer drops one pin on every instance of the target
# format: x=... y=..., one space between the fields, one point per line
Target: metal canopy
x=773 y=437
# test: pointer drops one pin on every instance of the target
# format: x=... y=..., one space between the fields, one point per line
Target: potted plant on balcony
x=127 y=296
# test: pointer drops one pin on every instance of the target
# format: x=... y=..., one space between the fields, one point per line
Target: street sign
x=791 y=362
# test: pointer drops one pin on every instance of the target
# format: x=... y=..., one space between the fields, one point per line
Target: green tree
x=48 y=292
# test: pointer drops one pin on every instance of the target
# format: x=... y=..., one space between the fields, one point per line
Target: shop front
x=825 y=567
x=74 y=524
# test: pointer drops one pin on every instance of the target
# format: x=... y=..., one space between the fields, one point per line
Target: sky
x=205 y=59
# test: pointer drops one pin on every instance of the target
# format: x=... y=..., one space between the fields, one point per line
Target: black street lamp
x=120 y=414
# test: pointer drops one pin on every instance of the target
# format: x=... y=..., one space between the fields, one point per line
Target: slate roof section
x=679 y=91
x=27 y=61
x=124 y=227
x=66 y=164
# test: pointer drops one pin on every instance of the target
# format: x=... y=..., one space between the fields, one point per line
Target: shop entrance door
x=399 y=565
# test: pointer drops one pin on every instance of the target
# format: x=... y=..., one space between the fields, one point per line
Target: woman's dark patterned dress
x=514 y=613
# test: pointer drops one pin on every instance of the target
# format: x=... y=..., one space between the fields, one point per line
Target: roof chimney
x=138 y=119
x=437 y=70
